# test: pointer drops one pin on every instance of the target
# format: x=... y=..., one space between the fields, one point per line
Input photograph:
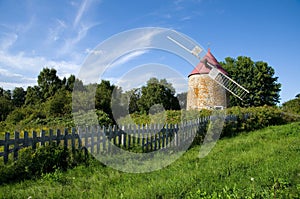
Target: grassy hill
x=258 y=164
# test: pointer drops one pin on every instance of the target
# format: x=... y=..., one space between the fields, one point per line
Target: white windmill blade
x=222 y=79
x=195 y=51
x=226 y=82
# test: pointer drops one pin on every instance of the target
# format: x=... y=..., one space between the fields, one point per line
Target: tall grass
x=259 y=164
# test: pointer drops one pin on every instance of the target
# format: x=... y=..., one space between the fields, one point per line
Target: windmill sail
x=219 y=77
x=226 y=82
x=195 y=51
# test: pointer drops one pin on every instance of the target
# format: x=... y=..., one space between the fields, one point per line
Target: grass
x=259 y=164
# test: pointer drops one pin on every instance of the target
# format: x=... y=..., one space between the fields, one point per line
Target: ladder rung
x=229 y=84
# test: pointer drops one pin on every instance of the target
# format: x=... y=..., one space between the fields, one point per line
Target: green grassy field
x=260 y=164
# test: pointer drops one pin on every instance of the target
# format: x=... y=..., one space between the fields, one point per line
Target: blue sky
x=60 y=34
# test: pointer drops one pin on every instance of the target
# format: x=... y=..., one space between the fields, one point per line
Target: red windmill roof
x=202 y=69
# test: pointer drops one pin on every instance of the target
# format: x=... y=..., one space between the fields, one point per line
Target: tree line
x=51 y=98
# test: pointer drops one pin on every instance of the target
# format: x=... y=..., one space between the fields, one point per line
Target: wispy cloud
x=186 y=18
x=11 y=80
x=71 y=42
x=139 y=76
x=8 y=40
x=76 y=32
x=82 y=8
x=56 y=31
x=122 y=44
x=10 y=33
x=22 y=70
x=59 y=44
x=128 y=57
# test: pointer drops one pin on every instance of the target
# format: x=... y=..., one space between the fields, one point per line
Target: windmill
x=214 y=73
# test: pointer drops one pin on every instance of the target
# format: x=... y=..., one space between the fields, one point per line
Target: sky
x=61 y=34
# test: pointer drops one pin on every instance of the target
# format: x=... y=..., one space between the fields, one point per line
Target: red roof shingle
x=202 y=69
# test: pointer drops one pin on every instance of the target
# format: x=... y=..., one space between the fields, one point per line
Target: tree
x=131 y=97
x=292 y=106
x=69 y=83
x=257 y=77
x=33 y=95
x=119 y=104
x=6 y=107
x=5 y=93
x=104 y=96
x=60 y=103
x=158 y=92
x=18 y=96
x=298 y=95
x=48 y=82
x=182 y=97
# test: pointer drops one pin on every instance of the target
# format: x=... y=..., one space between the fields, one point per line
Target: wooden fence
x=100 y=139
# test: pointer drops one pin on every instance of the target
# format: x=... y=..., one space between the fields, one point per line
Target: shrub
x=166 y=117
x=253 y=118
x=46 y=159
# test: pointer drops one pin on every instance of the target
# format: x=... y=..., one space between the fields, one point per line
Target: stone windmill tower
x=209 y=84
x=203 y=91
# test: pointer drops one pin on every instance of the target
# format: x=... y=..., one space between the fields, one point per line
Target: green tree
x=69 y=83
x=158 y=92
x=33 y=95
x=292 y=106
x=60 y=104
x=131 y=97
x=48 y=82
x=18 y=96
x=6 y=107
x=257 y=77
x=103 y=96
x=5 y=93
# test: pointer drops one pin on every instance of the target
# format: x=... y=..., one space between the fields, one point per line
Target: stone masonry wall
x=205 y=93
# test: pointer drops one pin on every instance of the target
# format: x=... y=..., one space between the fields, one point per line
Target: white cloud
x=55 y=33
x=8 y=40
x=186 y=18
x=114 y=48
x=71 y=42
x=82 y=8
x=139 y=75
x=128 y=57
x=21 y=68
x=16 y=70
x=11 y=80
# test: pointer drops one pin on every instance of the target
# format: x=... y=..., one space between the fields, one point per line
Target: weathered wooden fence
x=100 y=139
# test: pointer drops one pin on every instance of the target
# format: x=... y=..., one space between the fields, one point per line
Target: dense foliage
x=35 y=163
x=49 y=103
x=237 y=119
x=253 y=118
x=155 y=96
x=292 y=106
x=257 y=77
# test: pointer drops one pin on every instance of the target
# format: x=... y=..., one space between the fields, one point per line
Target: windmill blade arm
x=222 y=79
x=226 y=82
x=195 y=51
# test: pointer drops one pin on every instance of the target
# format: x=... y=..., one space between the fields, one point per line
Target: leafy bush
x=165 y=117
x=46 y=159
x=292 y=106
x=253 y=118
x=92 y=117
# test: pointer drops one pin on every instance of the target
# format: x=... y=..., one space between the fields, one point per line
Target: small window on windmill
x=218 y=107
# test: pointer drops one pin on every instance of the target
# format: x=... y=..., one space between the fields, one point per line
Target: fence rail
x=100 y=139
